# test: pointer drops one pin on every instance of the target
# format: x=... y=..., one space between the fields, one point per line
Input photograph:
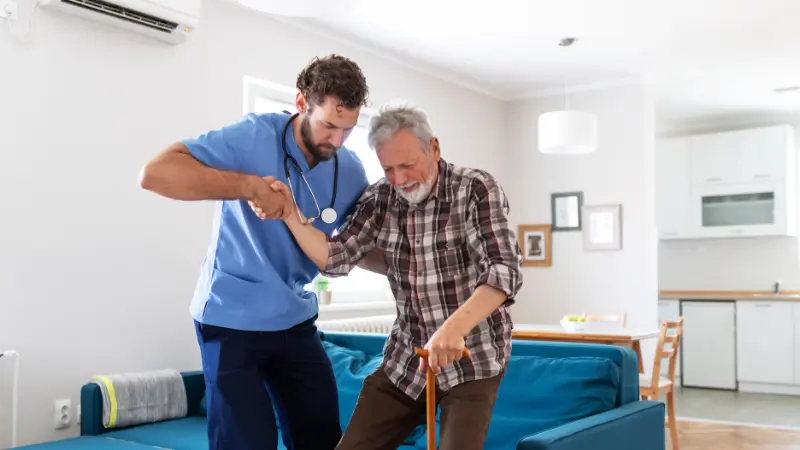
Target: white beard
x=417 y=196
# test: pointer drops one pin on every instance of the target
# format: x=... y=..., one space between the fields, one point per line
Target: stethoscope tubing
x=287 y=157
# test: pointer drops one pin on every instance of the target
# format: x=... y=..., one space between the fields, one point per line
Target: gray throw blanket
x=142 y=397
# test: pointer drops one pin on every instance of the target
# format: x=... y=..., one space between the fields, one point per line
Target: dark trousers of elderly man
x=454 y=266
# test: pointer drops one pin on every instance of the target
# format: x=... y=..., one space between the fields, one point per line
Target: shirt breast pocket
x=450 y=250
x=390 y=241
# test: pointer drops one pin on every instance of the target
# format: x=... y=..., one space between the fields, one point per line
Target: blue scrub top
x=254 y=274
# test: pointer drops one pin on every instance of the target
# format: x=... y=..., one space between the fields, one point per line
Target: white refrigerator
x=709 y=344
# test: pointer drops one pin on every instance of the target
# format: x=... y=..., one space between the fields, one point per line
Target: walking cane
x=430 y=401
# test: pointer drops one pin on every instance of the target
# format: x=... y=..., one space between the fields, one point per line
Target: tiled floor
x=762 y=409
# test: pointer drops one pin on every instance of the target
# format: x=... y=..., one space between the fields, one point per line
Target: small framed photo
x=566 y=210
x=535 y=244
x=603 y=227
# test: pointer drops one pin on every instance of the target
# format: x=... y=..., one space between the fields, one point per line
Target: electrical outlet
x=62 y=413
x=9 y=10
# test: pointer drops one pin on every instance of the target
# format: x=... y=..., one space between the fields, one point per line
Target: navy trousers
x=252 y=375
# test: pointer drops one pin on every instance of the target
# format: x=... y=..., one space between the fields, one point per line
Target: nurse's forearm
x=175 y=173
x=313 y=242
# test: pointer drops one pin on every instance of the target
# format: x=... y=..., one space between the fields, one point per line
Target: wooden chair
x=651 y=385
x=621 y=318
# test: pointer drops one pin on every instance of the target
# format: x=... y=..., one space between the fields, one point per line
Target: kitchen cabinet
x=756 y=209
x=742 y=156
x=766 y=154
x=727 y=184
x=714 y=159
x=709 y=344
x=765 y=339
x=673 y=188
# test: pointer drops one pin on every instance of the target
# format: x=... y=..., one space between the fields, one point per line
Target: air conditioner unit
x=170 y=21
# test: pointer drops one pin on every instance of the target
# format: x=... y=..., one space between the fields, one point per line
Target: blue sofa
x=555 y=396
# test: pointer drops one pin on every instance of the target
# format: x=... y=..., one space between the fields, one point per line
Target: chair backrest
x=619 y=318
x=667 y=348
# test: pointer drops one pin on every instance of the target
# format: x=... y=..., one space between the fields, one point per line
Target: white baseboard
x=738 y=424
x=767 y=388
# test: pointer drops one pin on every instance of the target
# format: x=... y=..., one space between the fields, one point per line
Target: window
x=360 y=285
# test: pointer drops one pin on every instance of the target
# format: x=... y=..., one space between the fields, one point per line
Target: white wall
x=729 y=264
x=93 y=270
x=620 y=172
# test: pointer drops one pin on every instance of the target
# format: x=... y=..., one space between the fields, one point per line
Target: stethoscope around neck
x=328 y=215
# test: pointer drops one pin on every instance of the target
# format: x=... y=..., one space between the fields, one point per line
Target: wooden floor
x=721 y=436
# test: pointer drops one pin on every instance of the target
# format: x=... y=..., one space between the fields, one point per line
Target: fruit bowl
x=573 y=323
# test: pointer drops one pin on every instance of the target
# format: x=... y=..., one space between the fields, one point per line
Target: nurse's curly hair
x=334 y=76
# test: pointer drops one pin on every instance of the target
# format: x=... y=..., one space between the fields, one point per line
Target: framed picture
x=603 y=227
x=535 y=244
x=566 y=210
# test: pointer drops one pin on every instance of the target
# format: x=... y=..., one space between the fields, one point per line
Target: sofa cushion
x=189 y=433
x=351 y=367
x=539 y=393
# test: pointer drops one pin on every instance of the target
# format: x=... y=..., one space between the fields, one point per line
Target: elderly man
x=453 y=264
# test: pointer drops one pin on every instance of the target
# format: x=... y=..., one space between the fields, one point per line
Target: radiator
x=369 y=324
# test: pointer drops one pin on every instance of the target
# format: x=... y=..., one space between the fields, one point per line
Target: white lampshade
x=567 y=132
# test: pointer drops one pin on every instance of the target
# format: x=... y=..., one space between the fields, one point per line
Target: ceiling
x=702 y=57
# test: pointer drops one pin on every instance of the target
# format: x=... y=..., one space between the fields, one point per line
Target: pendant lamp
x=567 y=131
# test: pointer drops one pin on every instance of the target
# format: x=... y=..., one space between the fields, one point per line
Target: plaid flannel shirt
x=437 y=254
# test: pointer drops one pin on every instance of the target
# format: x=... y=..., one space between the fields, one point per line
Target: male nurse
x=255 y=321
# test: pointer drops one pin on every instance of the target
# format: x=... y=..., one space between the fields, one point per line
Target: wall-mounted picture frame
x=602 y=228
x=565 y=210
x=535 y=242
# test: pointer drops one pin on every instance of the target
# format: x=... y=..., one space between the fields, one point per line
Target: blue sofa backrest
x=624 y=358
x=575 y=369
x=547 y=384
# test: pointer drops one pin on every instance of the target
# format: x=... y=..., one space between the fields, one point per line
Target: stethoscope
x=328 y=214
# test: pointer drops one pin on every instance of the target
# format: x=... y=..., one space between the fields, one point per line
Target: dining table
x=609 y=334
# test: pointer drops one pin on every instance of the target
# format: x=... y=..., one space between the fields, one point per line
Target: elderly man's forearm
x=483 y=302
x=313 y=242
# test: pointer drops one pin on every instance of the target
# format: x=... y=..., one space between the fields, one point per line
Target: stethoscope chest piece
x=328 y=215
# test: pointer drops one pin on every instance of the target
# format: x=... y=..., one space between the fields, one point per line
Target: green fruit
x=575 y=319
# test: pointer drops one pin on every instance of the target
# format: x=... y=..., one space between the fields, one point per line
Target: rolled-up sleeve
x=355 y=238
x=492 y=240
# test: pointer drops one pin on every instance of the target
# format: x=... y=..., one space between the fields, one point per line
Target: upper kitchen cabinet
x=743 y=156
x=767 y=154
x=728 y=184
x=673 y=188
x=713 y=159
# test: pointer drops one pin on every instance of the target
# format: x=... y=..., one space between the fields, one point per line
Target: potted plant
x=323 y=290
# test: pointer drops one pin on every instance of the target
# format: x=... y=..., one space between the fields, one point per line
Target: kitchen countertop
x=728 y=295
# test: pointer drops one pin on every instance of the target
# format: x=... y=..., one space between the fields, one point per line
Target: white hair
x=396 y=117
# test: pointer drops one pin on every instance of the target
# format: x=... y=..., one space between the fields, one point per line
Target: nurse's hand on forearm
x=274 y=202
x=313 y=242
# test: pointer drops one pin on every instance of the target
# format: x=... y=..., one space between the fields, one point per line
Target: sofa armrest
x=636 y=426
x=92 y=402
